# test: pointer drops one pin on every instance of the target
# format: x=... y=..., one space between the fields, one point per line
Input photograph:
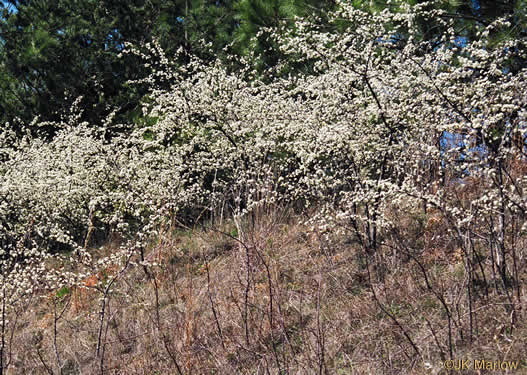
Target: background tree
x=258 y=17
x=53 y=52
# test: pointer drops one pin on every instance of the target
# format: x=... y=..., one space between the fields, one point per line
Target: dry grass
x=277 y=301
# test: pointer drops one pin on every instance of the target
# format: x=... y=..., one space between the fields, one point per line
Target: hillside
x=281 y=300
x=359 y=206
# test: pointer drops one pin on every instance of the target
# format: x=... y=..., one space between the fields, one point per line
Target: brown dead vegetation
x=275 y=299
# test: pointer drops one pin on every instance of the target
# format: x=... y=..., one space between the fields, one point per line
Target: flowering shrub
x=366 y=133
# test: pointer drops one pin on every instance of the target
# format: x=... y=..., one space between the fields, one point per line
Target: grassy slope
x=283 y=300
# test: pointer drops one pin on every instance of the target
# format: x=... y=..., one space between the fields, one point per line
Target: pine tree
x=257 y=16
x=55 y=51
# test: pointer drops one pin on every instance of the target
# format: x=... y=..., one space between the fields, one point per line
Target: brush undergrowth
x=278 y=299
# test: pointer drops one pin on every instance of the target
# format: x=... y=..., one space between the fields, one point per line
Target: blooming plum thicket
x=364 y=133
